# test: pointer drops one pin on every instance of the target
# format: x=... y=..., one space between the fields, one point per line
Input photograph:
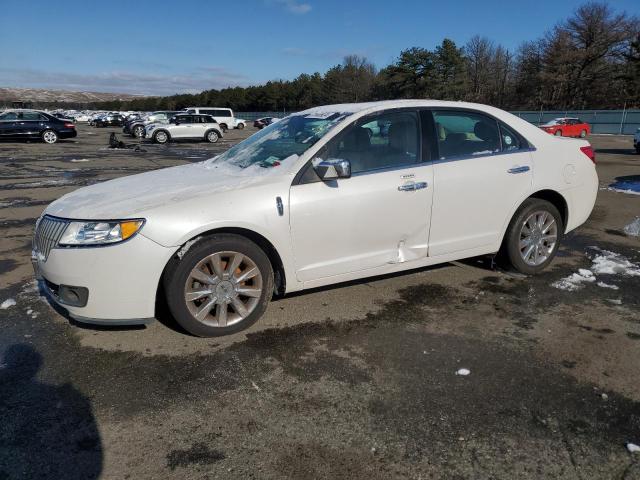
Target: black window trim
x=527 y=145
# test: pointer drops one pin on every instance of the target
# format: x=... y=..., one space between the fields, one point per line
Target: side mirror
x=333 y=169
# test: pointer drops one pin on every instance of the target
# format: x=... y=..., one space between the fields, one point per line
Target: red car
x=567 y=127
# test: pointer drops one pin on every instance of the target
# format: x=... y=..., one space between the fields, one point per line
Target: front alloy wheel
x=161 y=137
x=138 y=131
x=221 y=285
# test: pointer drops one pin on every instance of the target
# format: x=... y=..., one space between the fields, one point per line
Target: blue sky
x=166 y=47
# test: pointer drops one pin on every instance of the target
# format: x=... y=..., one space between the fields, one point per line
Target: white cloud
x=293 y=6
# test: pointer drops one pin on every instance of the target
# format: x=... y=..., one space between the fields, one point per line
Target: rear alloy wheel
x=212 y=136
x=49 y=136
x=138 y=131
x=583 y=133
x=240 y=126
x=221 y=285
x=161 y=137
x=558 y=133
x=533 y=236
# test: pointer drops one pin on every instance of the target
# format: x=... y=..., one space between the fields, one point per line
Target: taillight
x=589 y=152
x=69 y=125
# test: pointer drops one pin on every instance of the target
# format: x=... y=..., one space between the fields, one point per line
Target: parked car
x=62 y=116
x=314 y=200
x=33 y=124
x=136 y=127
x=636 y=141
x=264 y=122
x=224 y=116
x=185 y=126
x=567 y=127
x=110 y=120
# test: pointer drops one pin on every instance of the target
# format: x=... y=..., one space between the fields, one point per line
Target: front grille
x=48 y=233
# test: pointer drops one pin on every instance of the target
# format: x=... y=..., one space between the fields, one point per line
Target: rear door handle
x=519 y=169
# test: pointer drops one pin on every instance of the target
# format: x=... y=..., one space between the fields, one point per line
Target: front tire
x=49 y=136
x=558 y=133
x=138 y=131
x=161 y=137
x=533 y=236
x=220 y=286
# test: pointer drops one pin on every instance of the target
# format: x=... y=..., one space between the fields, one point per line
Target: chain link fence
x=615 y=122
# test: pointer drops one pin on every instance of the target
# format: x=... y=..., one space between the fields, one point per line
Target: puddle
x=627 y=184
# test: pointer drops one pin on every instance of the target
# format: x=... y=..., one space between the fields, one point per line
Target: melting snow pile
x=632 y=447
x=10 y=302
x=633 y=228
x=575 y=281
x=604 y=263
x=611 y=263
x=463 y=372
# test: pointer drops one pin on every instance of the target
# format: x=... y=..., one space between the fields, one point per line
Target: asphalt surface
x=356 y=381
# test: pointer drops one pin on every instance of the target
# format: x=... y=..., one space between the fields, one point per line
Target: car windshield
x=290 y=137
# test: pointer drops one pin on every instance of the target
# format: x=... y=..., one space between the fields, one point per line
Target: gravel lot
x=356 y=381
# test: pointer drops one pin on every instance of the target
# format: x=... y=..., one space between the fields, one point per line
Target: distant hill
x=37 y=95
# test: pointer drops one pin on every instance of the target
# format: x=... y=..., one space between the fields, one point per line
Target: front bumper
x=122 y=279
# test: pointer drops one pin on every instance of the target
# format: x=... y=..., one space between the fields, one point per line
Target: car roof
x=388 y=104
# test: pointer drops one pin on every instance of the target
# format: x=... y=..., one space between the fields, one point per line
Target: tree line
x=588 y=61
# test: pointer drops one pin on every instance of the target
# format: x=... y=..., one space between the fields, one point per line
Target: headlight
x=99 y=233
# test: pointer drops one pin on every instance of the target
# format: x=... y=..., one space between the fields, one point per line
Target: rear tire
x=533 y=236
x=210 y=304
x=240 y=126
x=49 y=136
x=583 y=133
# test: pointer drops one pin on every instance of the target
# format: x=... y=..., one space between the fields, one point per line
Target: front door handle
x=409 y=187
x=519 y=169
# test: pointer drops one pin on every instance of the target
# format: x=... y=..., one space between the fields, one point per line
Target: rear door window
x=462 y=133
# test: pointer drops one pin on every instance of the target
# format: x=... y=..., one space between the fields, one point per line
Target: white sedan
x=317 y=198
x=185 y=127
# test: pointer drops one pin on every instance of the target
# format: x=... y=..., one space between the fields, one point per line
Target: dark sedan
x=32 y=124
x=111 y=120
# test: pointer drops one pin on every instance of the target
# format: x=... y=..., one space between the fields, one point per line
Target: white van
x=224 y=116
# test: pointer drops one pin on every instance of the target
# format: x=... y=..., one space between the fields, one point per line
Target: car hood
x=137 y=195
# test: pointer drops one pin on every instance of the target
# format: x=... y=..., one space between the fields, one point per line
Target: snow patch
x=463 y=371
x=76 y=160
x=633 y=228
x=575 y=281
x=606 y=285
x=611 y=263
x=8 y=303
x=632 y=447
